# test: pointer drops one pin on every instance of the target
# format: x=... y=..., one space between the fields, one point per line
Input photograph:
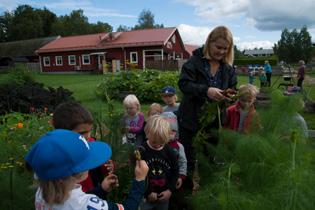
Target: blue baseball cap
x=168 y=90
x=62 y=153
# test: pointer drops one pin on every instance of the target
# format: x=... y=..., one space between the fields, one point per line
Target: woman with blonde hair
x=203 y=78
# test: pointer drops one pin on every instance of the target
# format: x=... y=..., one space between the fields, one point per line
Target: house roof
x=23 y=47
x=190 y=48
x=258 y=52
x=136 y=38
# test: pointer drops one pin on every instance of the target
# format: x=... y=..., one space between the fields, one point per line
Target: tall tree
x=100 y=27
x=294 y=46
x=26 y=24
x=122 y=28
x=5 y=24
x=146 y=20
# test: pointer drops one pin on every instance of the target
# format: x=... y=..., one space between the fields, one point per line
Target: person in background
x=61 y=159
x=262 y=77
x=154 y=109
x=73 y=116
x=268 y=71
x=240 y=116
x=133 y=120
x=162 y=162
x=177 y=201
x=168 y=94
x=204 y=77
x=301 y=73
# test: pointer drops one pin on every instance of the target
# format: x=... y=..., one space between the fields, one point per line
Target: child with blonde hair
x=133 y=120
x=61 y=159
x=240 y=115
x=155 y=109
x=162 y=162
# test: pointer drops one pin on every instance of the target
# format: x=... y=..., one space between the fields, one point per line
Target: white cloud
x=198 y=35
x=193 y=34
x=264 y=15
x=255 y=44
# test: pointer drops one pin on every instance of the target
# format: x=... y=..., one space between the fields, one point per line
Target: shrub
x=145 y=84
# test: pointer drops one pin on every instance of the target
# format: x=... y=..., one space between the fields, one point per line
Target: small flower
x=19 y=125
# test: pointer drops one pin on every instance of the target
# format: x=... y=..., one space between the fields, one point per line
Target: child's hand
x=141 y=170
x=165 y=195
x=110 y=182
x=179 y=183
x=152 y=197
x=109 y=165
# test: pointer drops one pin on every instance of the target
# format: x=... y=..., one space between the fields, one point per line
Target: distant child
x=162 y=161
x=262 y=77
x=240 y=115
x=301 y=73
x=61 y=159
x=133 y=120
x=154 y=109
x=268 y=70
x=251 y=75
x=177 y=201
x=169 y=97
x=73 y=116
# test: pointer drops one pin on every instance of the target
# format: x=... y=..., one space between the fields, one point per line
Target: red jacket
x=233 y=118
x=89 y=184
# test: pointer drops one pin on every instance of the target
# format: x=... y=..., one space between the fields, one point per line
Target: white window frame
x=69 y=60
x=174 y=39
x=56 y=59
x=131 y=60
x=44 y=60
x=84 y=63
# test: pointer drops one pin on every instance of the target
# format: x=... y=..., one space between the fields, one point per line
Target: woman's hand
x=215 y=94
x=152 y=197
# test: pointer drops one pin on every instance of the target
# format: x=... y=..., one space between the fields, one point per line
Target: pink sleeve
x=139 y=126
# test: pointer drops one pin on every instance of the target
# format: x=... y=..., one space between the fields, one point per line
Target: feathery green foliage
x=271 y=168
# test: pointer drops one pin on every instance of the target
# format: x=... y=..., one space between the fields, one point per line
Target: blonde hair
x=248 y=90
x=155 y=107
x=130 y=100
x=159 y=129
x=301 y=62
x=223 y=33
x=58 y=191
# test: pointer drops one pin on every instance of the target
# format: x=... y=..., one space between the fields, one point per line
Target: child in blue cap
x=61 y=159
x=169 y=97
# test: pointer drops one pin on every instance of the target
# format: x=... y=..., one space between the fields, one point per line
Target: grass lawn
x=83 y=88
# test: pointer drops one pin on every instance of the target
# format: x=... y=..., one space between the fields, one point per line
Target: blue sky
x=254 y=23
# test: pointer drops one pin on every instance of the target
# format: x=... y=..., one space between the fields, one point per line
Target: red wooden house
x=87 y=53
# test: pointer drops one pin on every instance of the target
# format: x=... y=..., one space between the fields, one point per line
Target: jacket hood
x=198 y=52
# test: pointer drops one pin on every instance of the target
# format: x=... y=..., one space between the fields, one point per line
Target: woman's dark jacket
x=194 y=84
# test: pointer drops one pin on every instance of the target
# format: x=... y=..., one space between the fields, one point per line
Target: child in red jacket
x=240 y=115
x=73 y=116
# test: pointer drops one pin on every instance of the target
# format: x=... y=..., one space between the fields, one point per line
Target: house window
x=134 y=57
x=58 y=60
x=46 y=61
x=86 y=59
x=71 y=59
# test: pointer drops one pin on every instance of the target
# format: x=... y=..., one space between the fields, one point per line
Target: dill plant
x=270 y=168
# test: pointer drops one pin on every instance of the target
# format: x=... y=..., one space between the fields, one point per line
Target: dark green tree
x=294 y=45
x=48 y=19
x=26 y=24
x=122 y=28
x=100 y=27
x=146 y=20
x=5 y=23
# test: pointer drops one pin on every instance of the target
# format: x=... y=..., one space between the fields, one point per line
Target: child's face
x=246 y=102
x=154 y=112
x=84 y=129
x=169 y=99
x=132 y=109
x=154 y=144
